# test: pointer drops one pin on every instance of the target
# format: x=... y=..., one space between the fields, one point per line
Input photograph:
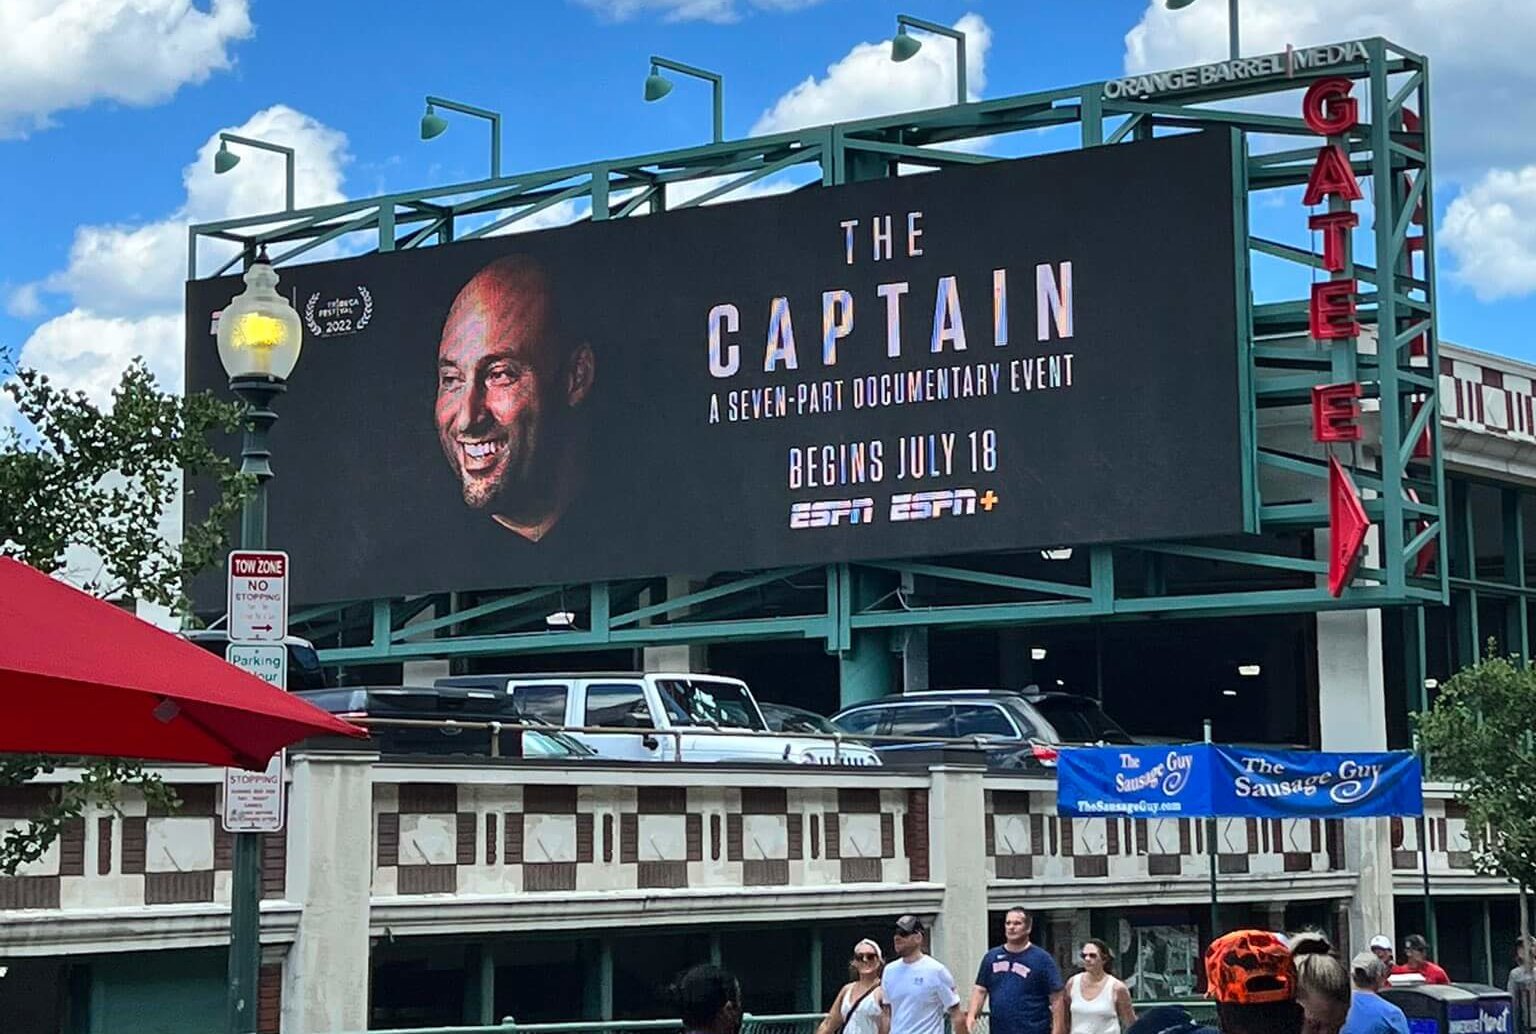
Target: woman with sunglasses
x=858 y=1007
x=1096 y=1002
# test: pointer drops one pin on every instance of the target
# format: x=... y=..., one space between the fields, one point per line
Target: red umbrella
x=79 y=676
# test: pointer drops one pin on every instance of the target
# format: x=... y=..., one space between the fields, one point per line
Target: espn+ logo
x=923 y=506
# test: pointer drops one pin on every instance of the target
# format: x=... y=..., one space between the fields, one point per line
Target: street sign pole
x=245 y=886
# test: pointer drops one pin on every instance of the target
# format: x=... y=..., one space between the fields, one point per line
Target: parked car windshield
x=708 y=702
x=793 y=719
x=550 y=744
x=1080 y=720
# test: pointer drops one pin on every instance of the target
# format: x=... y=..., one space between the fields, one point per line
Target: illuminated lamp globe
x=260 y=334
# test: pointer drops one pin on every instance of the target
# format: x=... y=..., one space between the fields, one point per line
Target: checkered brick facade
x=137 y=855
x=544 y=838
x=1449 y=836
x=1485 y=398
x=1027 y=840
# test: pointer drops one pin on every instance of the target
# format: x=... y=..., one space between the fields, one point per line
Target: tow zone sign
x=258 y=596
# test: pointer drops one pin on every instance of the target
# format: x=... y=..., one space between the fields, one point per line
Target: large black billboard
x=1015 y=355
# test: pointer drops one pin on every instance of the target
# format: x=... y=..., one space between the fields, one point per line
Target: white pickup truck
x=676 y=716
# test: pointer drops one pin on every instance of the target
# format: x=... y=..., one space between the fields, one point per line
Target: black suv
x=1017 y=730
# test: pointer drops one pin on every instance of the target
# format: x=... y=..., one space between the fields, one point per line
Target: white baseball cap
x=1381 y=941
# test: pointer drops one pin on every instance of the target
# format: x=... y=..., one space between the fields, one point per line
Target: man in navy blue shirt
x=1020 y=979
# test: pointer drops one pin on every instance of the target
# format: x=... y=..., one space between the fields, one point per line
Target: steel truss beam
x=1276 y=568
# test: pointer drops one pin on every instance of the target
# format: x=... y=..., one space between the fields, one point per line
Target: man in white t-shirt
x=917 y=989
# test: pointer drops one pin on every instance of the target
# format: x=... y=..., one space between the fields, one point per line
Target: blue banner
x=1142 y=782
x=1314 y=784
x=1201 y=780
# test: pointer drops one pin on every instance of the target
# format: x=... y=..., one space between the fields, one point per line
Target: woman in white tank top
x=859 y=1005
x=1095 y=1002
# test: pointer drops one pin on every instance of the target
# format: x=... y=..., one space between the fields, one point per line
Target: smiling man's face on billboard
x=506 y=383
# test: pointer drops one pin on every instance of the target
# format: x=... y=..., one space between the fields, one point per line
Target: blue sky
x=108 y=109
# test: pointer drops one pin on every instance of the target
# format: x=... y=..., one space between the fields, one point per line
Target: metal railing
x=1201 y=1010
x=839 y=741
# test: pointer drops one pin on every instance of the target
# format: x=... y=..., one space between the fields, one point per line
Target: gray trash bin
x=1453 y=1008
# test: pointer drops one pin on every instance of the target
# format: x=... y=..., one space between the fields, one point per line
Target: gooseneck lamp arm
x=716 y=81
x=907 y=21
x=494 y=117
x=225 y=160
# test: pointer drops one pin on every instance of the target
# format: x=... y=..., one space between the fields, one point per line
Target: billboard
x=1021 y=354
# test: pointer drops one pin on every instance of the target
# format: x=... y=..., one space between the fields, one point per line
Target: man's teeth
x=480 y=450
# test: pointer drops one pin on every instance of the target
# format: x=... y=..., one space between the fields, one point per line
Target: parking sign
x=258 y=596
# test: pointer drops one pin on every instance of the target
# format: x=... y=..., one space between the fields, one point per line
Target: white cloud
x=87 y=352
x=61 y=54
x=125 y=282
x=718 y=11
x=867 y=83
x=24 y=302
x=124 y=269
x=1491 y=229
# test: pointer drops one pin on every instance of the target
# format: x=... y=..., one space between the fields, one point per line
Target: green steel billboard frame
x=857 y=609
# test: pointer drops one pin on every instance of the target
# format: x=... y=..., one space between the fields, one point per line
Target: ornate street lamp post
x=259 y=338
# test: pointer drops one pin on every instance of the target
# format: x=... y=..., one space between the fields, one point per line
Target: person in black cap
x=917 y=988
x=1416 y=960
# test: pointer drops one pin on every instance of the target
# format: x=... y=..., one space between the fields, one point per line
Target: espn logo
x=828 y=513
x=922 y=506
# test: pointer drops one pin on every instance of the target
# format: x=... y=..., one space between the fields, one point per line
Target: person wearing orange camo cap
x=1252 y=977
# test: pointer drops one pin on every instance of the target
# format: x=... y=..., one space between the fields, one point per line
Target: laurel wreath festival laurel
x=362 y=320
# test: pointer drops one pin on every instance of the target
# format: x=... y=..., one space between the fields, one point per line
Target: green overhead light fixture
x=434 y=125
x=904 y=46
x=658 y=86
x=1232 y=48
x=224 y=159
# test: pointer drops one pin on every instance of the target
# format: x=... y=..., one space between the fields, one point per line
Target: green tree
x=1481 y=735
x=98 y=488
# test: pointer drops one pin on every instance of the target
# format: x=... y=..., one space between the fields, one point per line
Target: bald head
x=508 y=303
x=507 y=379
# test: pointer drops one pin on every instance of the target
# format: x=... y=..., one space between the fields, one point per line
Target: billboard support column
x=677 y=656
x=914 y=660
x=866 y=670
x=1352 y=705
x=867 y=662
